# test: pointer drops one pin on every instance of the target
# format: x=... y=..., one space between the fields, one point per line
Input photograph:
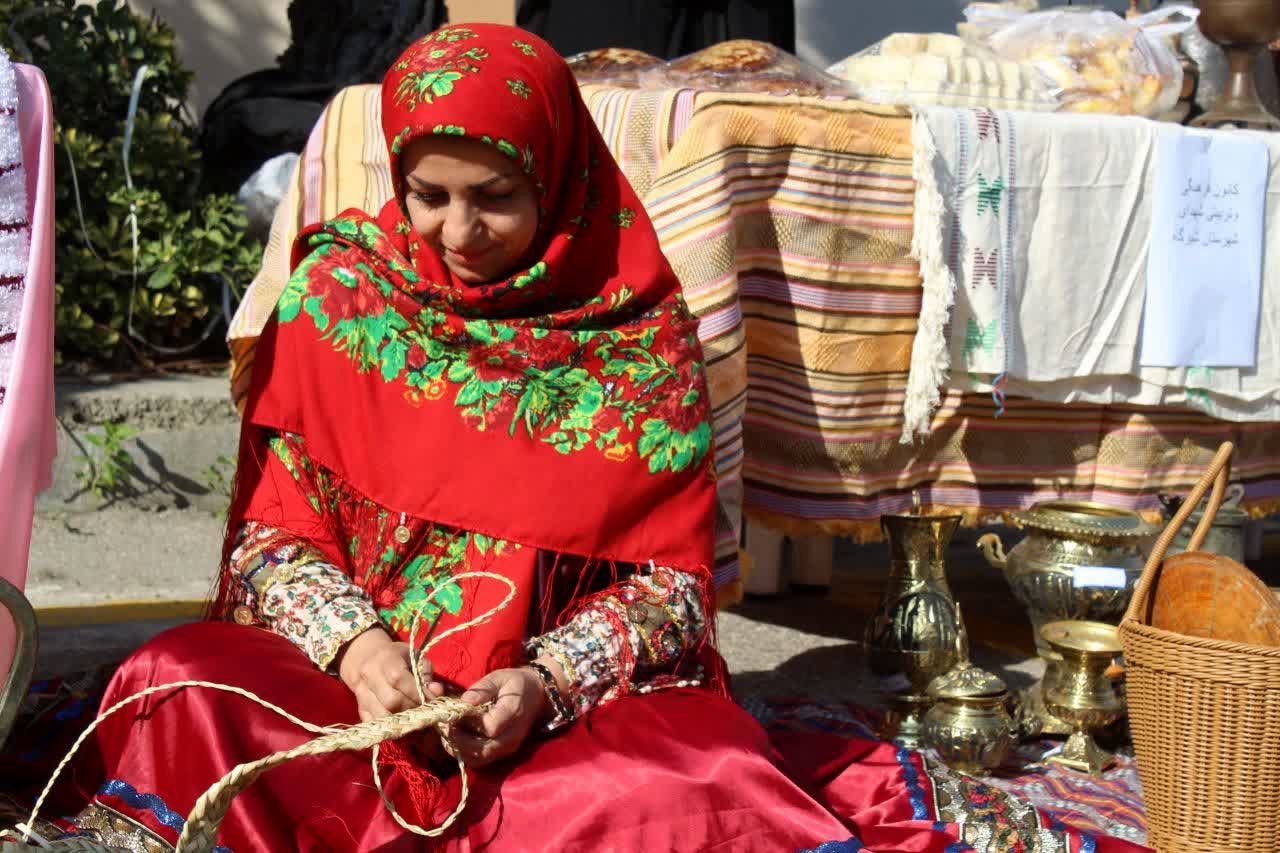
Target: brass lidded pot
x=1103 y=545
x=969 y=724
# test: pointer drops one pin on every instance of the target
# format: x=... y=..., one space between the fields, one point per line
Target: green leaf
x=162 y=277
x=393 y=358
x=315 y=309
x=469 y=393
x=450 y=598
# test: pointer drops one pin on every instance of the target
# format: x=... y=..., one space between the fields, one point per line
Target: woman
x=495 y=374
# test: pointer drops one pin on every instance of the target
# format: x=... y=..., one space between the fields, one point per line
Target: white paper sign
x=1099 y=576
x=1204 y=264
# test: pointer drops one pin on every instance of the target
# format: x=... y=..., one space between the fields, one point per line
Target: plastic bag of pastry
x=1097 y=62
x=983 y=19
x=617 y=66
x=920 y=69
x=743 y=65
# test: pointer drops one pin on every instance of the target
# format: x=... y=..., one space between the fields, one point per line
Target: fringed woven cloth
x=15 y=229
x=1044 y=255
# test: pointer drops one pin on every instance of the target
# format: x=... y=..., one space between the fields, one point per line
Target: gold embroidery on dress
x=108 y=826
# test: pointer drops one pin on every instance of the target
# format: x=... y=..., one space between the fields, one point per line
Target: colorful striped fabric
x=789 y=222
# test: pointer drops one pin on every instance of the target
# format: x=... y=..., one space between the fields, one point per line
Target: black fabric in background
x=333 y=44
x=664 y=28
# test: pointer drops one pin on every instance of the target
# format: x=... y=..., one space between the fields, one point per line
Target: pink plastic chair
x=27 y=436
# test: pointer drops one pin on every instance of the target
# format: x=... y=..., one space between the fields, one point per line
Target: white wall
x=221 y=40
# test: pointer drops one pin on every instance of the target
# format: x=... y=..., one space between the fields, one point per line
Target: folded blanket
x=1032 y=231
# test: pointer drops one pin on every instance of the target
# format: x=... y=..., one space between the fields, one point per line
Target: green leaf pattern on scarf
x=490 y=370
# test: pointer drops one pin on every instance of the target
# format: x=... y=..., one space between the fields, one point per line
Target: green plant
x=189 y=241
x=219 y=477
x=110 y=474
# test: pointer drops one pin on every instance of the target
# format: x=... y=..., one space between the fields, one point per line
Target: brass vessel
x=911 y=638
x=1062 y=537
x=972 y=734
x=969 y=725
x=1243 y=28
x=24 y=657
x=1082 y=693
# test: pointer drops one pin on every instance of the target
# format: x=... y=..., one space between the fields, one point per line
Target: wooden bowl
x=1210 y=596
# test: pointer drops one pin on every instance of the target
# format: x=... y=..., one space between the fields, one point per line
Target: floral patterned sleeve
x=635 y=637
x=294 y=592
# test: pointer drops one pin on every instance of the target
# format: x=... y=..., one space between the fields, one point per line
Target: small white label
x=1106 y=577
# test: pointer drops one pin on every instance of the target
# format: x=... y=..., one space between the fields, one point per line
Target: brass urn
x=1243 y=28
x=1078 y=561
x=911 y=638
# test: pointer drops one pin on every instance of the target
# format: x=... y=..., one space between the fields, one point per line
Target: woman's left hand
x=519 y=701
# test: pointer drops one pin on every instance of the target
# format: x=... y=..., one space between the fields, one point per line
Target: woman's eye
x=501 y=196
x=431 y=199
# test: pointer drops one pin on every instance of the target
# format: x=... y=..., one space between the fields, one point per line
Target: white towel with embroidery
x=1032 y=232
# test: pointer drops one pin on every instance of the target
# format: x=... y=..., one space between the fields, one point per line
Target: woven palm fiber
x=1204 y=712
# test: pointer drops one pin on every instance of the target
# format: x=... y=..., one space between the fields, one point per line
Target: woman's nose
x=461 y=226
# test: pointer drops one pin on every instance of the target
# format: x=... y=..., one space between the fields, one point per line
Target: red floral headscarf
x=563 y=408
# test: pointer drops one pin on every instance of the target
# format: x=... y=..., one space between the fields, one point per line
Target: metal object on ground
x=1226 y=536
x=912 y=636
x=969 y=725
x=1079 y=560
x=1083 y=693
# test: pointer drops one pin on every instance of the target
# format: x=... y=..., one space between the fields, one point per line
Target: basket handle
x=1216 y=476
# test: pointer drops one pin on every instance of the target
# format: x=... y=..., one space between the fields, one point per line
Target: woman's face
x=471 y=204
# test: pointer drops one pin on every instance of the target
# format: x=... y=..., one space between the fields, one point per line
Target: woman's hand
x=377 y=670
x=519 y=701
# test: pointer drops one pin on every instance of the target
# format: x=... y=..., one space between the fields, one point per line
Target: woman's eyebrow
x=425 y=186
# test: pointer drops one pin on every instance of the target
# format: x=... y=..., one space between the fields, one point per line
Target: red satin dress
x=681 y=769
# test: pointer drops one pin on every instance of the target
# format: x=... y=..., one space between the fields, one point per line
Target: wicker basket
x=1205 y=717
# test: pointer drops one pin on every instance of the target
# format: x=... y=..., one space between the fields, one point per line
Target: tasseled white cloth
x=15 y=230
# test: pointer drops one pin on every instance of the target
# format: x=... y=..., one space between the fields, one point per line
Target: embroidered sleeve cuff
x=295 y=593
x=635 y=637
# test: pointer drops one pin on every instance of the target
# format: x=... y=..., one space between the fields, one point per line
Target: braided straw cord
x=1205 y=716
x=201 y=829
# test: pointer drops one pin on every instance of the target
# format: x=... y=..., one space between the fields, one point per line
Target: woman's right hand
x=377 y=670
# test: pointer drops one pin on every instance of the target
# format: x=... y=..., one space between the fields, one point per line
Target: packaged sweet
x=920 y=69
x=618 y=66
x=1096 y=61
x=743 y=65
x=983 y=19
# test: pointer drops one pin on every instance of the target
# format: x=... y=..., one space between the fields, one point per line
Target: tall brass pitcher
x=911 y=638
x=24 y=657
